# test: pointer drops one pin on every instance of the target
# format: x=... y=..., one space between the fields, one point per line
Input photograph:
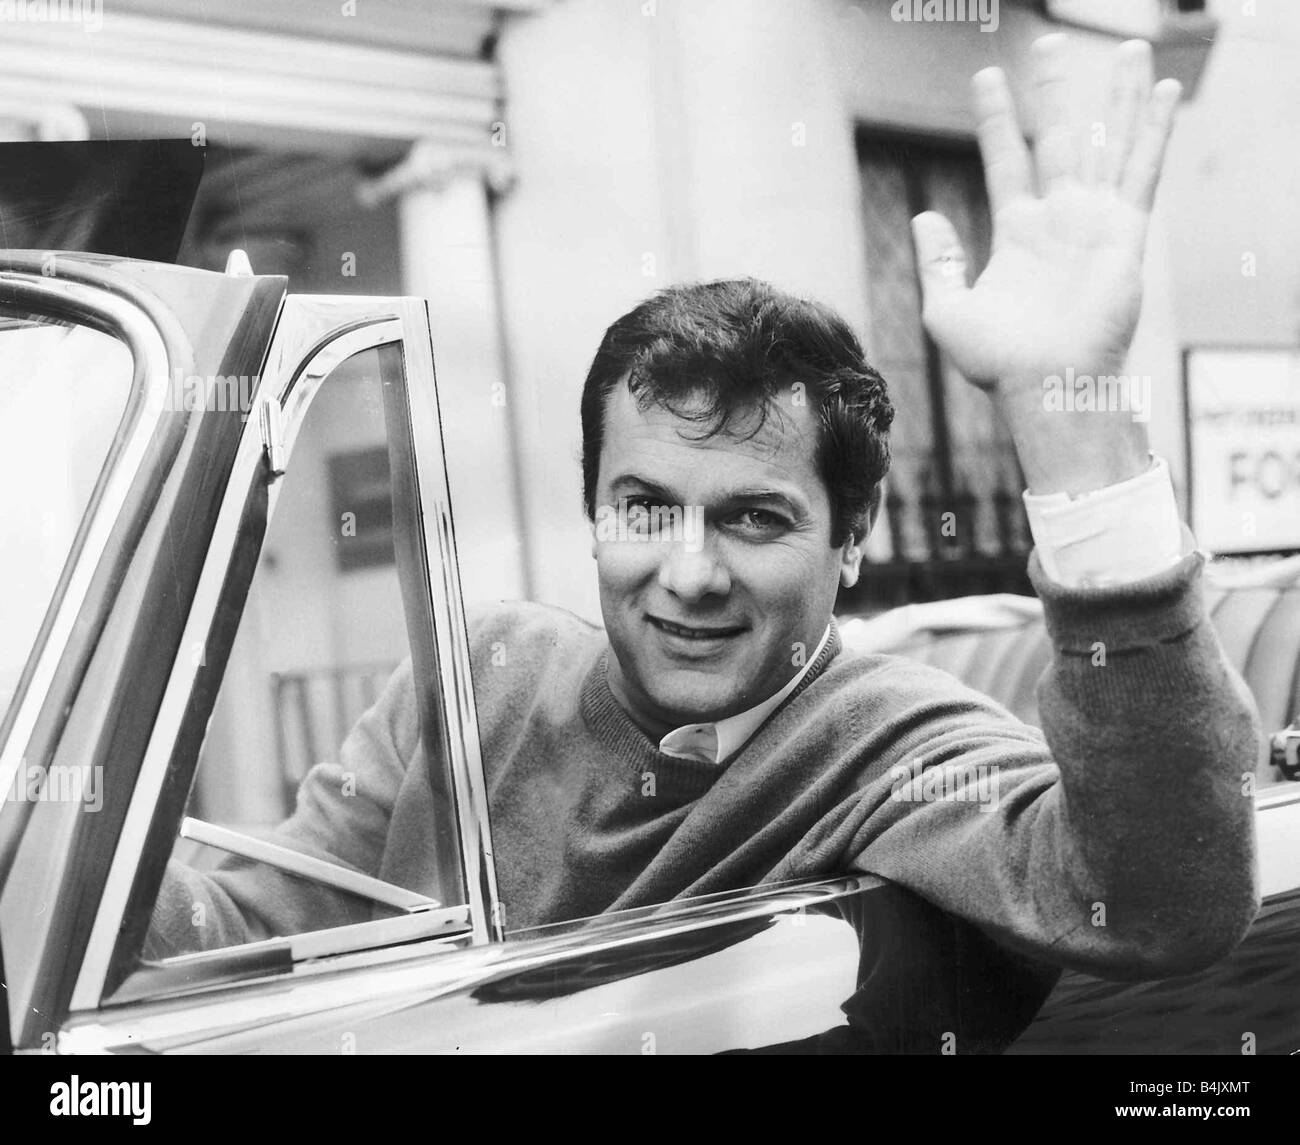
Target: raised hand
x=1063 y=285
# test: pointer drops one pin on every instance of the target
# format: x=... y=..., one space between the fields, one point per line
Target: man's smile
x=699 y=633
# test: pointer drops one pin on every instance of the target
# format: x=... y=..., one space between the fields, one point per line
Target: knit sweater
x=1118 y=840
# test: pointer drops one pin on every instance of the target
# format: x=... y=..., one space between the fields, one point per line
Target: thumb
x=939 y=259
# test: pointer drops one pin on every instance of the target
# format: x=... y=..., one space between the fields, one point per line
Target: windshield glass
x=63 y=390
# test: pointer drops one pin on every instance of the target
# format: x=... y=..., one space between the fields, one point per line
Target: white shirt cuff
x=1110 y=536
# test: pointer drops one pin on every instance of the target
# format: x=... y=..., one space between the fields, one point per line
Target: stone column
x=449 y=258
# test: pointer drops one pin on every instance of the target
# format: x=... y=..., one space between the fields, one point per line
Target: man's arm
x=1139 y=860
x=342 y=815
x=1123 y=846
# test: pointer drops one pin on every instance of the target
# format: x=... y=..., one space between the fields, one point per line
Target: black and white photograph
x=650 y=527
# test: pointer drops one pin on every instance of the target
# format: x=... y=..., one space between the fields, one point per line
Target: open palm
x=1063 y=286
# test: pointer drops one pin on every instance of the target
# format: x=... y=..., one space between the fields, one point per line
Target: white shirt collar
x=715 y=742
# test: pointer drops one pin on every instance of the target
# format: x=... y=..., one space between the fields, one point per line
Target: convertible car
x=205 y=471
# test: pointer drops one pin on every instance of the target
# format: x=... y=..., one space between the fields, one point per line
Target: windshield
x=63 y=391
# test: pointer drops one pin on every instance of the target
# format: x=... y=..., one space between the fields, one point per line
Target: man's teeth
x=693 y=633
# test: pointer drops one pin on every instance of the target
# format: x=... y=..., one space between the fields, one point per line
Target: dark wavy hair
x=709 y=351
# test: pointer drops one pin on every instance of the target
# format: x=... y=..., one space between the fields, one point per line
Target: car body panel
x=853 y=965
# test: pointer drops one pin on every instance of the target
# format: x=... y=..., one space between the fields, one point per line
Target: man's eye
x=638 y=511
x=758 y=521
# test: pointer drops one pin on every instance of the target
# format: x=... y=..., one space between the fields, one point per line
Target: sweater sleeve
x=342 y=815
x=1121 y=841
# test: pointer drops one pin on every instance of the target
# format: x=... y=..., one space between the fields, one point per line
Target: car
x=217 y=470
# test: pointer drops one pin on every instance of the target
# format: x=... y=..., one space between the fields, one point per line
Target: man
x=715 y=734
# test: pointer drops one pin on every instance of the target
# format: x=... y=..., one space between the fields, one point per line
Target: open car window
x=326 y=708
x=320 y=642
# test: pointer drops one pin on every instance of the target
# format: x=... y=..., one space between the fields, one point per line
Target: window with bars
x=953 y=523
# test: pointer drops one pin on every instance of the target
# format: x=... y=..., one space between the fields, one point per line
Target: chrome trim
x=307 y=866
x=444 y=922
x=300 y=388
x=141 y=337
x=162 y=739
x=1284 y=746
x=1277 y=795
x=408 y=976
x=272 y=439
x=207 y=970
x=449 y=627
x=310 y=331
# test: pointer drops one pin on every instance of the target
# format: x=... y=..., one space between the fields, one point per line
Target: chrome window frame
x=122 y=319
x=313 y=335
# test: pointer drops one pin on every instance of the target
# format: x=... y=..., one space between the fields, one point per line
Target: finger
x=1129 y=92
x=1055 y=147
x=1142 y=171
x=939 y=259
x=1007 y=171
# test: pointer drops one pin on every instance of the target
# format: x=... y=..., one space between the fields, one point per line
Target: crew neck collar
x=616 y=728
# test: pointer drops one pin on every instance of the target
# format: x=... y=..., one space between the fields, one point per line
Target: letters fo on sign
x=1243 y=415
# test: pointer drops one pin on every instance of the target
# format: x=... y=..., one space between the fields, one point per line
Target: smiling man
x=715 y=629
x=714 y=734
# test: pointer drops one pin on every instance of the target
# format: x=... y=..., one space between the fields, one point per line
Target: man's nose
x=693 y=575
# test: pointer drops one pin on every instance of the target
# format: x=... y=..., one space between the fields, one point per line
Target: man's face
x=706 y=625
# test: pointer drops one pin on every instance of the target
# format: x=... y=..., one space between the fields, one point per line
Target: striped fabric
x=1258 y=624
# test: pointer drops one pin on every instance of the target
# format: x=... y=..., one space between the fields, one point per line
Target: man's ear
x=851 y=553
x=850 y=560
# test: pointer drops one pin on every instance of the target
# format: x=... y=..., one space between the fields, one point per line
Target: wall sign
x=361 y=496
x=1243 y=448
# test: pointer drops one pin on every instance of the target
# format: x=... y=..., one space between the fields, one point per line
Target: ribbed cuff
x=1155 y=609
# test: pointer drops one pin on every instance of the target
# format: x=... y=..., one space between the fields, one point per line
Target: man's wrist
x=1069 y=448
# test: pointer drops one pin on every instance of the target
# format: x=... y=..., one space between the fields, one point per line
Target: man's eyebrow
x=765 y=493
x=624 y=480
x=793 y=503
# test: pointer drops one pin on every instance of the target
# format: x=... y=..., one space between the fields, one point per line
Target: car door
x=109 y=572
x=312 y=337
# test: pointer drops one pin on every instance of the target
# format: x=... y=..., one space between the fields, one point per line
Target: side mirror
x=1284 y=750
